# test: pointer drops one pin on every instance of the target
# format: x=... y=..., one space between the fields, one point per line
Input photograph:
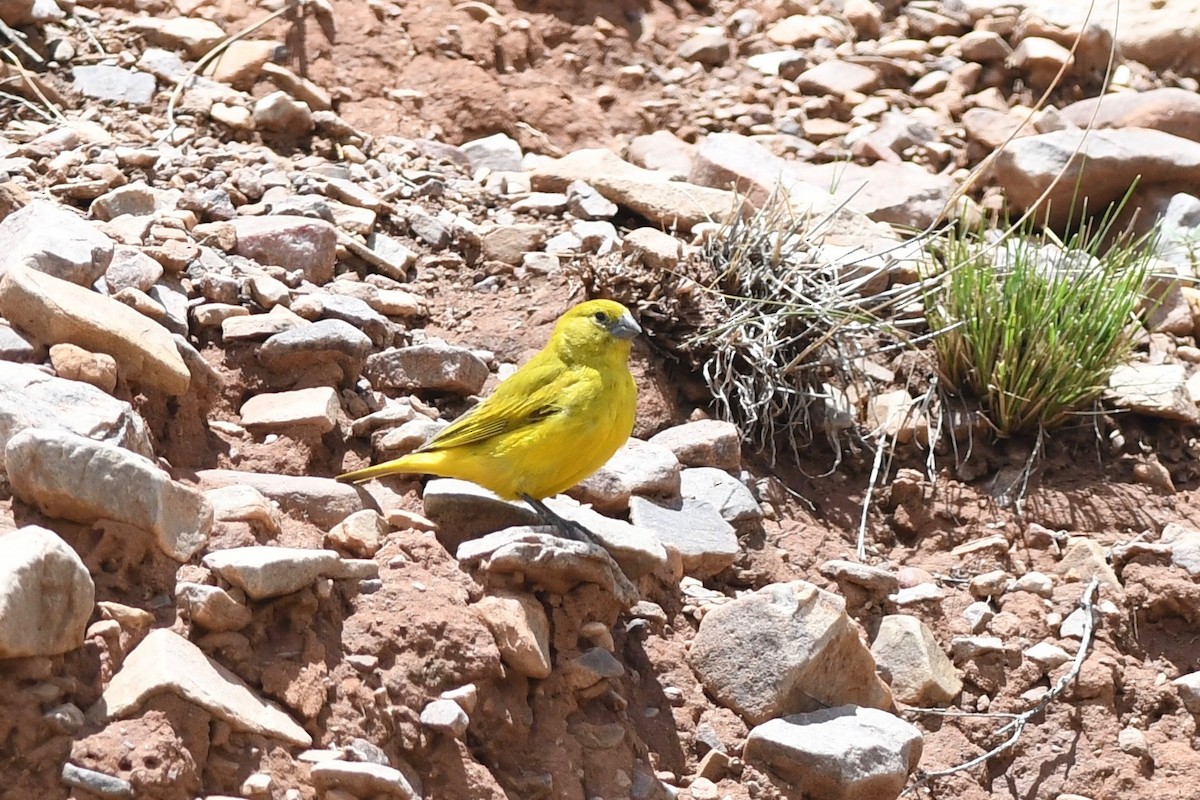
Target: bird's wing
x=528 y=397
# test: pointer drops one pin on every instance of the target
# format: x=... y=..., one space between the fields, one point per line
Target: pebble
x=68 y=476
x=521 y=629
x=637 y=468
x=55 y=311
x=550 y=562
x=29 y=398
x=816 y=656
x=432 y=367
x=591 y=667
x=877 y=581
x=921 y=593
x=263 y=572
x=279 y=112
x=211 y=607
x=732 y=498
x=635 y=549
x=46 y=594
x=840 y=752
x=705 y=443
x=76 y=364
x=113 y=84
x=165 y=661
x=94 y=782
x=706 y=542
x=136 y=199
x=1049 y=656
x=498 y=152
x=297 y=243
x=462 y=510
x=78 y=252
x=323 y=501
x=921 y=673
x=361 y=534
x=1036 y=583
x=293 y=412
x=360 y=780
x=445 y=716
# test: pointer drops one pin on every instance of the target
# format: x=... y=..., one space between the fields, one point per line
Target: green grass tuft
x=1032 y=328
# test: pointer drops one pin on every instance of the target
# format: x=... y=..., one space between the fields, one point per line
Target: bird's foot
x=567 y=527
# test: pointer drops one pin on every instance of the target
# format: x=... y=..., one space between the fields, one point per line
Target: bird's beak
x=625 y=327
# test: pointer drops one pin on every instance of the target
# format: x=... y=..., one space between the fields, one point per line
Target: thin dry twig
x=1017 y=722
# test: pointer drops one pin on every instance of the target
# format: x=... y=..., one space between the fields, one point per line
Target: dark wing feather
x=528 y=397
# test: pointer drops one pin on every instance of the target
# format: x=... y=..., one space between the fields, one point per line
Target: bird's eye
x=600 y=316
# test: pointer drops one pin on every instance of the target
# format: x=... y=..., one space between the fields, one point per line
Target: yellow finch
x=552 y=423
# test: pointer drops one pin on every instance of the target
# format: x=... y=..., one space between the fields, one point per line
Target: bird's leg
x=567 y=527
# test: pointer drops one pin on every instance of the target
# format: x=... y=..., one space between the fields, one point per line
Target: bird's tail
x=413 y=463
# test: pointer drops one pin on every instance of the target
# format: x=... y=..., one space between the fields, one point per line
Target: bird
x=549 y=425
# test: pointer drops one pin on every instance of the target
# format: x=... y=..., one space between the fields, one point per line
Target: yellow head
x=594 y=329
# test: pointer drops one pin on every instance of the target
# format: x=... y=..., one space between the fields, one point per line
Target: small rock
x=550 y=562
x=989 y=584
x=113 y=84
x=510 y=243
x=708 y=46
x=427 y=367
x=135 y=199
x=309 y=245
x=360 y=534
x=1048 y=656
x=591 y=667
x=46 y=594
x=877 y=581
x=497 y=152
x=1084 y=559
x=257 y=327
x=263 y=572
x=584 y=202
x=193 y=34
x=1036 y=583
x=359 y=779
x=978 y=615
x=211 y=607
x=1132 y=741
x=68 y=476
x=654 y=248
x=705 y=443
x=521 y=629
x=166 y=662
x=732 y=499
x=634 y=549
x=637 y=468
x=445 y=716
x=313 y=409
x=921 y=673
x=839 y=753
x=56 y=311
x=462 y=510
x=93 y=782
x=837 y=78
x=327 y=341
x=29 y=398
x=279 y=112
x=707 y=543
x=77 y=252
x=815 y=656
x=323 y=501
x=1188 y=687
x=76 y=364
